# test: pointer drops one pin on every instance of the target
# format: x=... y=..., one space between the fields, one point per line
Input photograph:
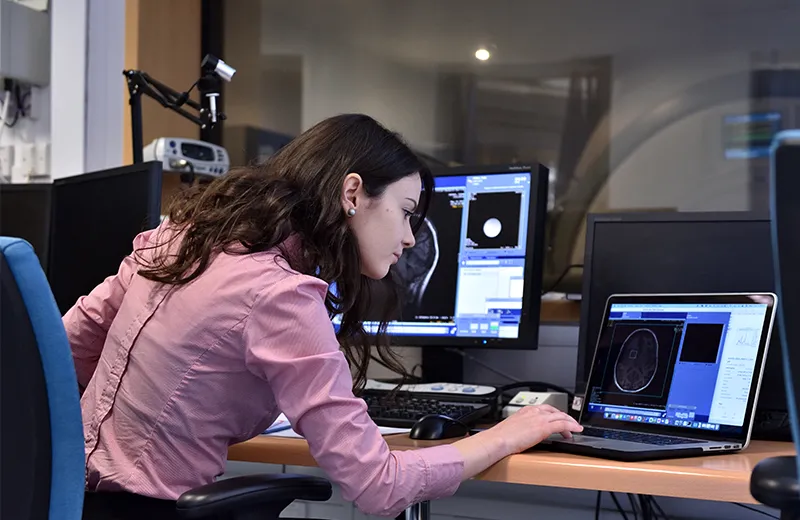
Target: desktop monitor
x=25 y=213
x=95 y=217
x=473 y=278
x=703 y=252
x=785 y=212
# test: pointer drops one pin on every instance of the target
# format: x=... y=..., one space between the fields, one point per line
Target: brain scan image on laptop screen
x=637 y=361
x=636 y=357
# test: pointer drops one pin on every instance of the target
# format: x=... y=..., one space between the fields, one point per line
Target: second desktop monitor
x=474 y=276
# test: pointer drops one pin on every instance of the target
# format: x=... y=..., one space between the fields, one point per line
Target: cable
x=597 y=505
x=753 y=509
x=4 y=112
x=483 y=364
x=19 y=109
x=634 y=508
x=561 y=278
x=619 y=506
x=654 y=503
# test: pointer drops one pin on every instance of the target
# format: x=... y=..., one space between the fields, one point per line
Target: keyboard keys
x=403 y=411
x=642 y=438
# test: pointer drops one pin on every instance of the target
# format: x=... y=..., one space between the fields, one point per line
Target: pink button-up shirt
x=175 y=375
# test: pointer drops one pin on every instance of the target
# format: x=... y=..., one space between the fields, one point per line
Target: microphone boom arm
x=140 y=83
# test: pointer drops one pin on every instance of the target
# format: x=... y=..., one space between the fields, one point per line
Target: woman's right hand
x=522 y=430
x=531 y=425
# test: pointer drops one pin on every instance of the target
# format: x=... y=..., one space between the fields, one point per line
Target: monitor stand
x=440 y=365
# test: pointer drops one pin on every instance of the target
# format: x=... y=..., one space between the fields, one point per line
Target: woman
x=220 y=319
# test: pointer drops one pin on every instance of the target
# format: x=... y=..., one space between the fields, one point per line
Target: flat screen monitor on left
x=95 y=217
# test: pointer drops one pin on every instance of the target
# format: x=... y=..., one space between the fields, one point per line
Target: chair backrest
x=41 y=442
x=785 y=221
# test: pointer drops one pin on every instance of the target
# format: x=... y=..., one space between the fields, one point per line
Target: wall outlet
x=41 y=160
x=6 y=161
x=24 y=162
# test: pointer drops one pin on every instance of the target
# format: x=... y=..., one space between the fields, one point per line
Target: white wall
x=105 y=91
x=338 y=77
x=86 y=85
x=68 y=65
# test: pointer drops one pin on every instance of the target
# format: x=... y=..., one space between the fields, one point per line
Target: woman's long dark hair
x=299 y=191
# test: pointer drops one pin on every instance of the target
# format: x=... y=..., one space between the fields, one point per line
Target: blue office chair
x=41 y=445
x=774 y=481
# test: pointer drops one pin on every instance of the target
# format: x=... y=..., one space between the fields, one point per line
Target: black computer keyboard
x=642 y=438
x=403 y=410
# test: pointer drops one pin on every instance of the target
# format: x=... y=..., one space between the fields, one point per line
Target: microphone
x=214 y=65
x=212 y=106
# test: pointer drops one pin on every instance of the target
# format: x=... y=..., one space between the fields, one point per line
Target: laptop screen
x=678 y=365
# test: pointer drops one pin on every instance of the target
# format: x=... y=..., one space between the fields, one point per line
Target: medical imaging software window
x=464 y=277
x=686 y=365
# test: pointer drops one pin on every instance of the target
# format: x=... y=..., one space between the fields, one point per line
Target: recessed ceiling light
x=482 y=54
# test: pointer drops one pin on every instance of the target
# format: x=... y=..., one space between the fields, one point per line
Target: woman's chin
x=376 y=273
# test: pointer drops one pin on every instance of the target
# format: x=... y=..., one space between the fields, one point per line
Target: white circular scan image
x=637 y=361
x=492 y=228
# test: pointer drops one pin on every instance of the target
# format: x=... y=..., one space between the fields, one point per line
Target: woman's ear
x=352 y=192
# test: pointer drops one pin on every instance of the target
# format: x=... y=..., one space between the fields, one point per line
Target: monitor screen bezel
x=587 y=345
x=154 y=170
x=758 y=372
x=151 y=172
x=528 y=336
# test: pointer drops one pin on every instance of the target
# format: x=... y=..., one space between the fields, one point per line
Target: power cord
x=483 y=364
x=646 y=505
x=619 y=506
x=561 y=277
x=517 y=383
x=597 y=505
x=14 y=88
x=634 y=507
x=753 y=509
x=653 y=503
x=656 y=511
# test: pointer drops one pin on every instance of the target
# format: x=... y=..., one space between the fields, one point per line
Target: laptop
x=674 y=375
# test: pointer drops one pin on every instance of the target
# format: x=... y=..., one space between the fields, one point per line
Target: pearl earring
x=351 y=212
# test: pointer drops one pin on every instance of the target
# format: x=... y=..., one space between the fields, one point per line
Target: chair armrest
x=266 y=494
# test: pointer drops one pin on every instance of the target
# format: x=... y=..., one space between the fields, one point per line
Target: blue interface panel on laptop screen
x=684 y=365
x=464 y=276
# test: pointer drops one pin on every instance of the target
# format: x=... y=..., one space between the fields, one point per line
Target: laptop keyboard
x=642 y=438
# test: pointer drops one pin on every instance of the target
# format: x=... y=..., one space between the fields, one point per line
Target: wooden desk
x=724 y=478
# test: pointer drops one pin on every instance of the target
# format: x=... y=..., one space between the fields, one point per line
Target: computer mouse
x=435 y=427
